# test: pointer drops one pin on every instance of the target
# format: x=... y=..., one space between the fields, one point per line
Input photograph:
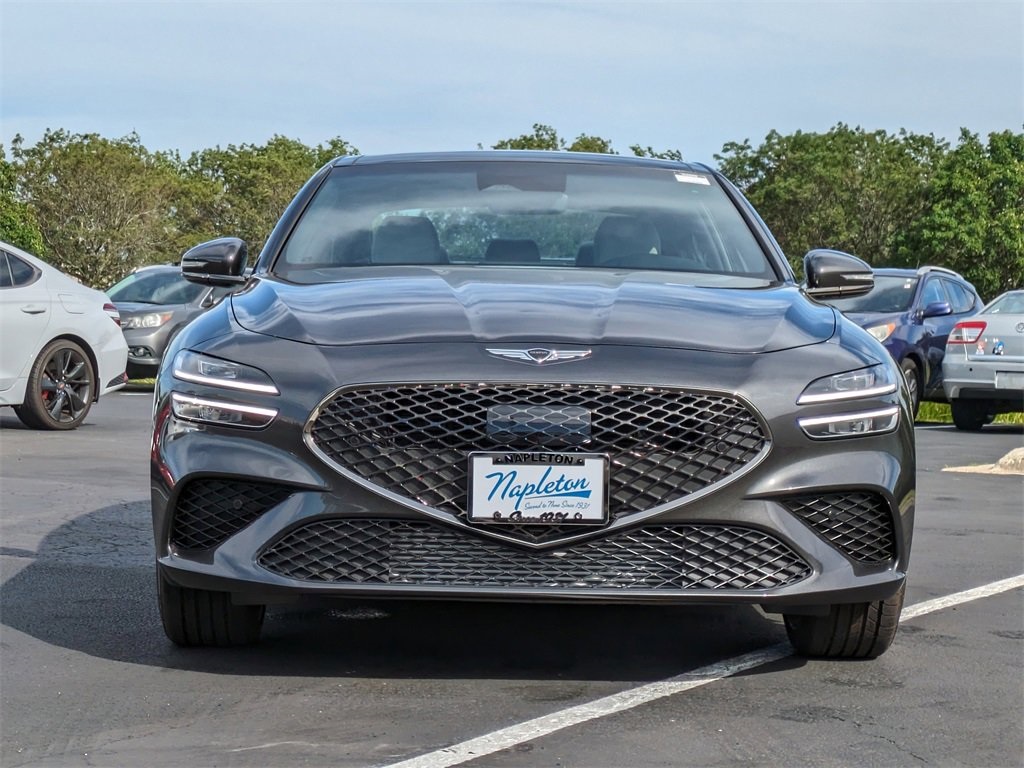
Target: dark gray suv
x=535 y=377
x=155 y=303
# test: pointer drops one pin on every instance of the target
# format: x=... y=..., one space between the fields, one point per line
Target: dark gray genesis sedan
x=534 y=377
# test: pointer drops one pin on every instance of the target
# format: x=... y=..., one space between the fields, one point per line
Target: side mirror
x=834 y=274
x=217 y=262
x=937 y=309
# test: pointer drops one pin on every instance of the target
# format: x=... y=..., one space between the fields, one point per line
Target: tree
x=849 y=189
x=242 y=190
x=974 y=222
x=648 y=151
x=18 y=225
x=103 y=205
x=544 y=137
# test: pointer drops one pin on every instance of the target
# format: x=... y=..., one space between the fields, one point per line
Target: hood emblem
x=541 y=355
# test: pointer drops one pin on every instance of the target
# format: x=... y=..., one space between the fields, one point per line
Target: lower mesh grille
x=406 y=552
x=858 y=523
x=211 y=510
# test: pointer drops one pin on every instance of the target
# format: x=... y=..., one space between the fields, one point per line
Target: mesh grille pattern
x=420 y=553
x=211 y=510
x=412 y=440
x=858 y=523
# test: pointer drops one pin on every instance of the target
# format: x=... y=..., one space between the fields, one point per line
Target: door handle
x=33 y=309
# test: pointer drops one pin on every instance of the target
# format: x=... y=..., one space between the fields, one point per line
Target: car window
x=163 y=286
x=1007 y=304
x=891 y=293
x=933 y=292
x=16 y=272
x=542 y=214
x=960 y=298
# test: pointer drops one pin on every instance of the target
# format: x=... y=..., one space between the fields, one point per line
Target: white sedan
x=61 y=344
x=983 y=369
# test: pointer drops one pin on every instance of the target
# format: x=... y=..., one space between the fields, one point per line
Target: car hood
x=535 y=305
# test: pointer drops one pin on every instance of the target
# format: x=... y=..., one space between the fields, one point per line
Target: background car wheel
x=854 y=631
x=60 y=388
x=199 y=617
x=913 y=377
x=970 y=415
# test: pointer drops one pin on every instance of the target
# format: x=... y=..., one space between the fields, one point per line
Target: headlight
x=881 y=332
x=148 y=320
x=220 y=413
x=863 y=382
x=214 y=372
x=851 y=424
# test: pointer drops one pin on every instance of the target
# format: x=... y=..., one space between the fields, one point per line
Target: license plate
x=1007 y=380
x=539 y=488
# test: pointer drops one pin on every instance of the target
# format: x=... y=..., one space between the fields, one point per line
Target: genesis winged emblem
x=541 y=355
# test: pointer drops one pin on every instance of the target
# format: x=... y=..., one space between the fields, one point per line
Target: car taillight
x=112 y=313
x=966 y=332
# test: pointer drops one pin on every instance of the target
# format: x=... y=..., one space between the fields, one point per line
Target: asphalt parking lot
x=88 y=678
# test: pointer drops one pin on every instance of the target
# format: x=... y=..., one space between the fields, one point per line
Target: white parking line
x=505 y=738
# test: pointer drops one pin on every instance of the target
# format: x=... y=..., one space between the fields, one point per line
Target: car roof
x=521 y=155
x=906 y=272
x=158 y=268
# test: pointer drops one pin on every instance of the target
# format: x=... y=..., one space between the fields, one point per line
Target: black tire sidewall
x=33 y=411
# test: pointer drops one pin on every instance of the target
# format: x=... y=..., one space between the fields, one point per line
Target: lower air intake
x=418 y=553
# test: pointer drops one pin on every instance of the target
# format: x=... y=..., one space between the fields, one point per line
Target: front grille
x=412 y=440
x=211 y=510
x=421 y=553
x=858 y=523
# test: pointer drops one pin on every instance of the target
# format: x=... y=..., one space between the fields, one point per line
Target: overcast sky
x=393 y=77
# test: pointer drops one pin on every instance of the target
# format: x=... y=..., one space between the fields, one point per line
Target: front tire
x=970 y=415
x=60 y=390
x=849 y=631
x=201 y=618
x=913 y=376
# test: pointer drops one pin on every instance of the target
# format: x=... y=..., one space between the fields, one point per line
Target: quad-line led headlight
x=214 y=372
x=851 y=385
x=875 y=422
x=219 y=412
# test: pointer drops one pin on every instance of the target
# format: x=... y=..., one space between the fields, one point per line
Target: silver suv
x=155 y=303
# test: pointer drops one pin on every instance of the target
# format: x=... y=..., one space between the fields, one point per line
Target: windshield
x=891 y=293
x=164 y=286
x=520 y=213
x=1007 y=304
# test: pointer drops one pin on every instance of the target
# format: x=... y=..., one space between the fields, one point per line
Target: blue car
x=912 y=311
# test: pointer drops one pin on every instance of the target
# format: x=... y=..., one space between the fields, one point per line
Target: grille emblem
x=541 y=355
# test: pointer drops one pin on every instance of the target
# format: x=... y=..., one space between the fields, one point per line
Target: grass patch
x=141 y=382
x=939 y=412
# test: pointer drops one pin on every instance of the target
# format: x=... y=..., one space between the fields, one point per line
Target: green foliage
x=544 y=137
x=18 y=225
x=242 y=190
x=97 y=207
x=667 y=154
x=103 y=205
x=940 y=413
x=974 y=220
x=849 y=189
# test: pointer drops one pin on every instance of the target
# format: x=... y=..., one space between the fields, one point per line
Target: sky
x=424 y=76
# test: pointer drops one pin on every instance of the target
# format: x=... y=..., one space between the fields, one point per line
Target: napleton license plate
x=538 y=488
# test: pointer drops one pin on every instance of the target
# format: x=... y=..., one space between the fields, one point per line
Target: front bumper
x=314 y=531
